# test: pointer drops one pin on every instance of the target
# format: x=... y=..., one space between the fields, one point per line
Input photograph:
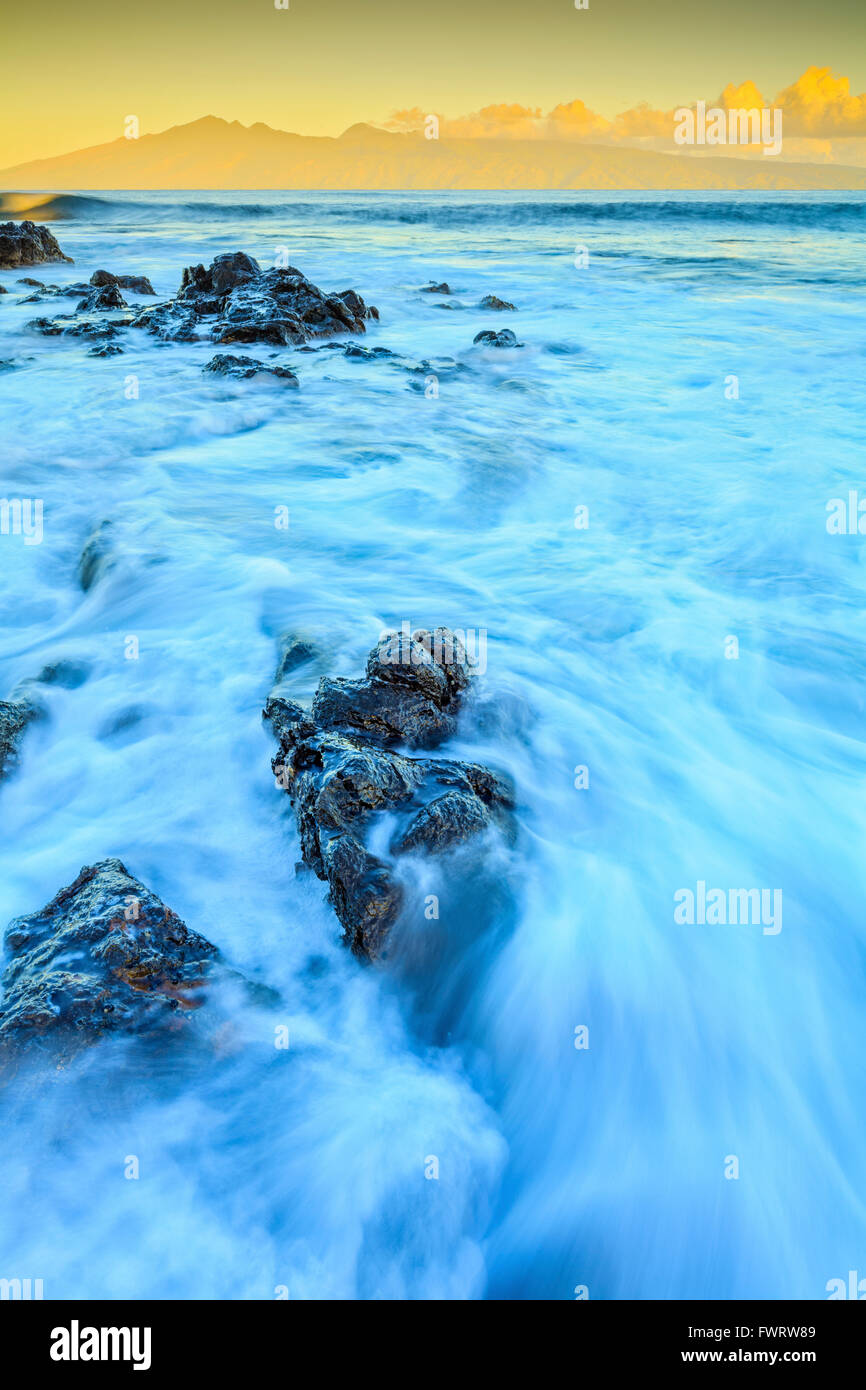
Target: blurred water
x=558 y=1166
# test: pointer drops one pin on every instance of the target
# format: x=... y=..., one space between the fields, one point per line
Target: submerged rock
x=492 y=301
x=224 y=364
x=503 y=339
x=97 y=556
x=15 y=715
x=437 y=289
x=339 y=765
x=234 y=301
x=138 y=284
x=105 y=956
x=24 y=243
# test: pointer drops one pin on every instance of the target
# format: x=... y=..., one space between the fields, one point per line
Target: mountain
x=213 y=153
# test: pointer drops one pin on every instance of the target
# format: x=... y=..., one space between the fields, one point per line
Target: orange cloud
x=818 y=104
x=819 y=113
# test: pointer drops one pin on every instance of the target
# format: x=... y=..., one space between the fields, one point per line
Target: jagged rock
x=503 y=339
x=102 y=297
x=339 y=767
x=28 y=280
x=437 y=289
x=105 y=350
x=24 y=243
x=75 y=326
x=15 y=715
x=224 y=364
x=97 y=557
x=138 y=284
x=492 y=301
x=105 y=956
x=235 y=301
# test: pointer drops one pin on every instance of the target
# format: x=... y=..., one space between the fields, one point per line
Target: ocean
x=631 y=509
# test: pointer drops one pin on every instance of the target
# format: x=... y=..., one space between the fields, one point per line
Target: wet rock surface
x=492 y=301
x=234 y=301
x=97 y=555
x=433 y=288
x=15 y=715
x=342 y=766
x=137 y=284
x=105 y=956
x=241 y=368
x=503 y=339
x=25 y=243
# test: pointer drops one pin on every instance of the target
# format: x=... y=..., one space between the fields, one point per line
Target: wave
x=455 y=209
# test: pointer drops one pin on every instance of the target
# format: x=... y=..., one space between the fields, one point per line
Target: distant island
x=212 y=153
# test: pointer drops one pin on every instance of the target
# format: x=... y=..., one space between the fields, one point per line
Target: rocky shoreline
x=361 y=765
x=233 y=301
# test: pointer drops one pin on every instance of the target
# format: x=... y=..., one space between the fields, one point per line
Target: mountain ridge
x=213 y=153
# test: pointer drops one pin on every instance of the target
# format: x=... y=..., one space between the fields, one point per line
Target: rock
x=15 y=715
x=66 y=673
x=235 y=301
x=97 y=557
x=295 y=651
x=78 y=326
x=491 y=301
x=28 y=280
x=105 y=350
x=24 y=243
x=104 y=957
x=437 y=289
x=102 y=297
x=138 y=284
x=341 y=770
x=3 y=289
x=503 y=339
x=7 y=364
x=224 y=364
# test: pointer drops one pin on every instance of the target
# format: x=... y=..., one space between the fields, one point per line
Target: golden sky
x=73 y=72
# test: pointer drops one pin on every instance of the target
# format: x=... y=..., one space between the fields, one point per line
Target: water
x=606 y=648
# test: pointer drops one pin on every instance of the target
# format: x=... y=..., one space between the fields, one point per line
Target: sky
x=74 y=72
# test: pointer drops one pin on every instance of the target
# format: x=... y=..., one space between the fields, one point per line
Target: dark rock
x=340 y=768
x=503 y=339
x=491 y=301
x=224 y=364
x=15 y=715
x=105 y=956
x=235 y=301
x=105 y=350
x=24 y=243
x=102 y=297
x=138 y=284
x=437 y=289
x=7 y=364
x=356 y=306
x=97 y=557
x=28 y=280
x=78 y=326
x=3 y=289
x=295 y=651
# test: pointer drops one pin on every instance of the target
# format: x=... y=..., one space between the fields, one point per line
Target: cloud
x=820 y=121
x=819 y=104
